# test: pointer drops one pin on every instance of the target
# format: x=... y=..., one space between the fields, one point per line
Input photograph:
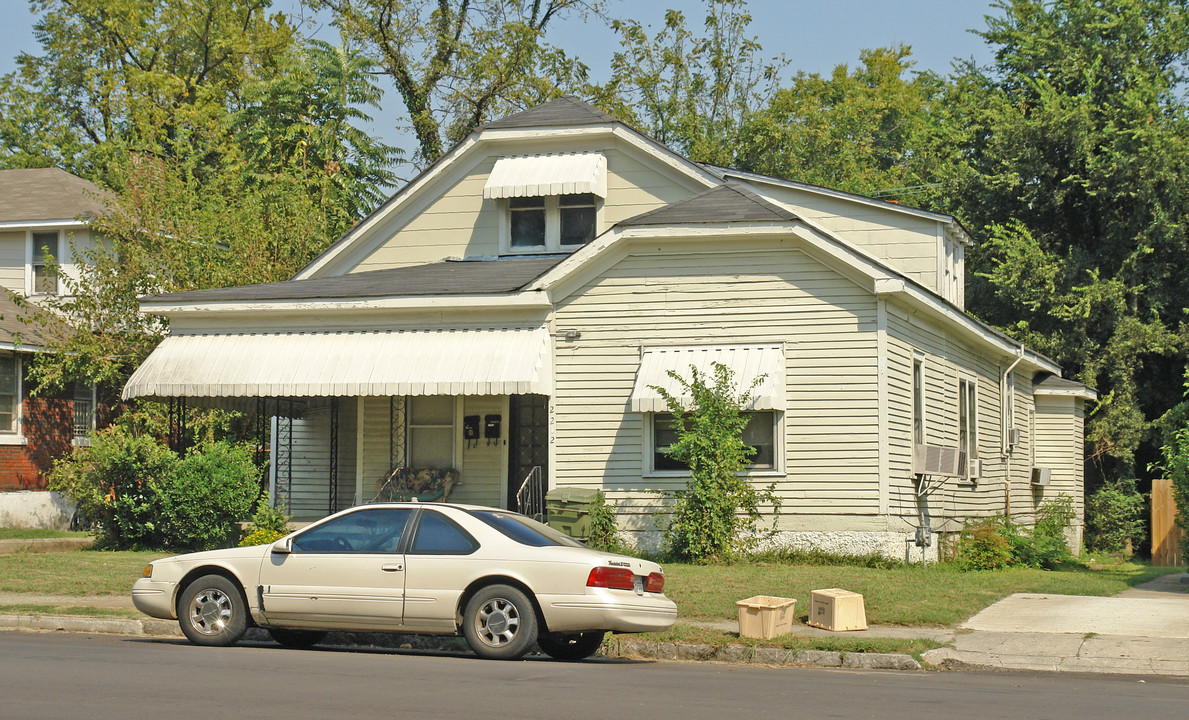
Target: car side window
x=439 y=535
x=366 y=531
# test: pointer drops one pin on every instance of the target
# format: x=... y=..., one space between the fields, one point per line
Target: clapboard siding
x=777 y=295
x=379 y=444
x=460 y=223
x=484 y=464
x=907 y=243
x=947 y=359
x=1059 y=448
x=310 y=497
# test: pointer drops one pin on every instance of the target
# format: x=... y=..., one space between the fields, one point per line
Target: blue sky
x=814 y=35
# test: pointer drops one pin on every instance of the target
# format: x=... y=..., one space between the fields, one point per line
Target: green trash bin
x=568 y=509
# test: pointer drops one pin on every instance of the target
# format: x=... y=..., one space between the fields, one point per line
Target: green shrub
x=717 y=515
x=140 y=496
x=984 y=545
x=269 y=524
x=115 y=484
x=212 y=489
x=1114 y=515
x=604 y=531
x=996 y=542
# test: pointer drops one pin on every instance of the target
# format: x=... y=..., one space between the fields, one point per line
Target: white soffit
x=747 y=362
x=560 y=174
x=473 y=361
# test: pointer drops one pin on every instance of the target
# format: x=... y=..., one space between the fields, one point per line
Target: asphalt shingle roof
x=47 y=194
x=722 y=204
x=564 y=111
x=27 y=324
x=450 y=277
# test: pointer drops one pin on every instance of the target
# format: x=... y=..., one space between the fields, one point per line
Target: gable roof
x=41 y=194
x=27 y=325
x=725 y=203
x=564 y=111
x=449 y=277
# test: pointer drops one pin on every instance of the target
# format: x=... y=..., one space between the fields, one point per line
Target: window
x=43 y=280
x=84 y=409
x=551 y=223
x=431 y=431
x=968 y=418
x=439 y=535
x=10 y=393
x=760 y=434
x=366 y=531
x=1007 y=409
x=918 y=401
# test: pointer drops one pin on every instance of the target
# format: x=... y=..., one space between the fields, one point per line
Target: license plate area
x=638 y=584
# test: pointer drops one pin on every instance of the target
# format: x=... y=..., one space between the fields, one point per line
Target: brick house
x=44 y=218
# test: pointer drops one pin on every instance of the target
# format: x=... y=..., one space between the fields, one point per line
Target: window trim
x=968 y=396
x=552 y=244
x=920 y=399
x=15 y=436
x=778 y=448
x=59 y=257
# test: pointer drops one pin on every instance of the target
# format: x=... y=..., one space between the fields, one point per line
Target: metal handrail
x=530 y=498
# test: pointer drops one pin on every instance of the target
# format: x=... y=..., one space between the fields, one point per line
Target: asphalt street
x=49 y=675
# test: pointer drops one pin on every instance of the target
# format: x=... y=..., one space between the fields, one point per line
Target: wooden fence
x=1166 y=534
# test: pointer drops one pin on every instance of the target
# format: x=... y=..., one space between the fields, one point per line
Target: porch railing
x=530 y=498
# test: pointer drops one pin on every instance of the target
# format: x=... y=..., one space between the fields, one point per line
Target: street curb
x=613 y=648
x=44 y=545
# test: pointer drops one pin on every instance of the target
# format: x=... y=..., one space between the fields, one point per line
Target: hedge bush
x=140 y=495
x=1114 y=515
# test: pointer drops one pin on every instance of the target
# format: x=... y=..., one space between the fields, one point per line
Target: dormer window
x=548 y=203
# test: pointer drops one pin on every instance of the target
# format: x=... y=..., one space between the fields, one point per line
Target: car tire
x=212 y=611
x=296 y=639
x=571 y=646
x=500 y=623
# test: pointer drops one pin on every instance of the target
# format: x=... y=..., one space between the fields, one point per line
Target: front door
x=528 y=441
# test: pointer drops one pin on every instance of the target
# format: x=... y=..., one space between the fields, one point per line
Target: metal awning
x=471 y=361
x=561 y=174
x=747 y=362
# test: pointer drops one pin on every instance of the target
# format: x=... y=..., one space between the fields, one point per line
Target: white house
x=509 y=308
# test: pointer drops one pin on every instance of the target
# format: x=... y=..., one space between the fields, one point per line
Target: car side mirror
x=284 y=546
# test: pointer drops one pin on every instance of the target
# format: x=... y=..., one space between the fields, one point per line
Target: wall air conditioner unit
x=974 y=468
x=1013 y=436
x=1040 y=476
x=937 y=460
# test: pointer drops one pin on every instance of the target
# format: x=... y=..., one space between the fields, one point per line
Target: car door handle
x=392 y=567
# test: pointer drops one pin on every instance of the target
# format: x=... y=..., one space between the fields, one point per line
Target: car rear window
x=525 y=530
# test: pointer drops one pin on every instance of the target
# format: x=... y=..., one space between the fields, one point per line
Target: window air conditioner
x=937 y=460
x=1040 y=476
x=1013 y=436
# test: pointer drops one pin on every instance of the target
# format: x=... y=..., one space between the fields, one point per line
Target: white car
x=502 y=580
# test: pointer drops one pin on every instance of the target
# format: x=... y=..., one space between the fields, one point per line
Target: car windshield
x=524 y=530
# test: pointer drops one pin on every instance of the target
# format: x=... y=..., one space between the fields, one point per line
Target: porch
x=336 y=413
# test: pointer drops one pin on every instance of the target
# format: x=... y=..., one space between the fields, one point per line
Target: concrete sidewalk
x=1144 y=630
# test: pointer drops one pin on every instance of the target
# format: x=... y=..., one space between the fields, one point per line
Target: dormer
x=549 y=203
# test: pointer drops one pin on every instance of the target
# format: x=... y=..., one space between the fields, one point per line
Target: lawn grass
x=79 y=572
x=689 y=633
x=7 y=533
x=81 y=610
x=936 y=596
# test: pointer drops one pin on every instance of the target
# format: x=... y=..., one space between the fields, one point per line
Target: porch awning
x=472 y=361
x=747 y=362
x=561 y=174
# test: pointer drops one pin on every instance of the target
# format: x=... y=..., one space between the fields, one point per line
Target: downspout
x=1006 y=448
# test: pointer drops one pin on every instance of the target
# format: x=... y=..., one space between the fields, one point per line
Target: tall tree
x=691 y=90
x=860 y=130
x=1076 y=167
x=458 y=63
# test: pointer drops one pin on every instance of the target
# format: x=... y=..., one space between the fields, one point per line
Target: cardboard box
x=837 y=609
x=764 y=616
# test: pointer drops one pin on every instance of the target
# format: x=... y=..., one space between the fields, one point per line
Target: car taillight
x=655 y=583
x=611 y=577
